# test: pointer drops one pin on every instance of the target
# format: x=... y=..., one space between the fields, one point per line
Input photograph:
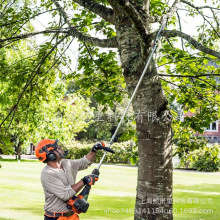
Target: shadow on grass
x=14 y=160
x=2 y=218
x=202 y=189
x=101 y=207
x=109 y=207
x=36 y=211
x=199 y=201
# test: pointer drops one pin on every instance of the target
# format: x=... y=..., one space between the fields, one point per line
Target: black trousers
x=50 y=218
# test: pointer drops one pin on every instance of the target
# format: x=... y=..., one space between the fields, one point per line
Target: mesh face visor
x=61 y=149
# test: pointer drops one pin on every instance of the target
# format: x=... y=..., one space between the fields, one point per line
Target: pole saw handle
x=85 y=192
x=107 y=149
x=96 y=172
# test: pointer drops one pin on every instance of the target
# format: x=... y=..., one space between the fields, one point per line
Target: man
x=58 y=178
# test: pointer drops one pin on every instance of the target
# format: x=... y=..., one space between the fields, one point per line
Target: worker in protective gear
x=58 y=178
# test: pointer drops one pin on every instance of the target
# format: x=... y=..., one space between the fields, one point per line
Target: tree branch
x=200 y=7
x=23 y=36
x=172 y=9
x=18 y=21
x=28 y=105
x=170 y=82
x=115 y=7
x=61 y=56
x=193 y=76
x=190 y=76
x=204 y=17
x=196 y=44
x=62 y=13
x=3 y=14
x=108 y=43
x=208 y=84
x=180 y=26
x=106 y=13
x=146 y=7
x=91 y=40
x=134 y=16
x=170 y=12
x=36 y=71
x=99 y=66
x=215 y=18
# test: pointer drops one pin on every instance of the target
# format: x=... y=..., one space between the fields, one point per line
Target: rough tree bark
x=18 y=150
x=154 y=186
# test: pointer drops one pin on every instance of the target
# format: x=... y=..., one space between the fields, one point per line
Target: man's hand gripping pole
x=79 y=203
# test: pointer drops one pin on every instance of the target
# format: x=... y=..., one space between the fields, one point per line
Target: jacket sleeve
x=81 y=164
x=55 y=186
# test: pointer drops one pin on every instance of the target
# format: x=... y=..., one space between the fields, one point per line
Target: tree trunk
x=154 y=186
x=18 y=150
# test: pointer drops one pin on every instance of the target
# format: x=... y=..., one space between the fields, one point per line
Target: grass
x=113 y=196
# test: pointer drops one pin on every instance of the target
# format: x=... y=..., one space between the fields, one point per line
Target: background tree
x=106 y=121
x=129 y=26
x=42 y=112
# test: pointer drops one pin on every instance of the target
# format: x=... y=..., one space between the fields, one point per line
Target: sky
x=189 y=26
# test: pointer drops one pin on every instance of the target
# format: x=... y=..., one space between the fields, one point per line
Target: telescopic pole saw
x=155 y=45
x=79 y=203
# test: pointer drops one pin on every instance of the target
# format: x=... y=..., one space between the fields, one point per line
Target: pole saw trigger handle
x=101 y=146
x=107 y=149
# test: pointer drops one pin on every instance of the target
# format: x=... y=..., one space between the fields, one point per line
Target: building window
x=209 y=139
x=213 y=126
x=215 y=139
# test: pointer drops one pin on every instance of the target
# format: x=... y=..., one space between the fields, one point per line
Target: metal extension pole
x=157 y=39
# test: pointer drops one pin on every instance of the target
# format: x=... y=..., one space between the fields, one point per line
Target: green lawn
x=113 y=196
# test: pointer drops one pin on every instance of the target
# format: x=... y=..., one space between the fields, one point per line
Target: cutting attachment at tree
x=180 y=71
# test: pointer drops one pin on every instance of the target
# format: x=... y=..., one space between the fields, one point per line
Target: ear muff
x=51 y=156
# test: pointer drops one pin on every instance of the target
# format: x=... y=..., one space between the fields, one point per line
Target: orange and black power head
x=71 y=204
x=79 y=203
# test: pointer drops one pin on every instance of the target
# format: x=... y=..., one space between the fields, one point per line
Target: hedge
x=124 y=152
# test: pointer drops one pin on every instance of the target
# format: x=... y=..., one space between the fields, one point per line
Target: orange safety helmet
x=46 y=148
